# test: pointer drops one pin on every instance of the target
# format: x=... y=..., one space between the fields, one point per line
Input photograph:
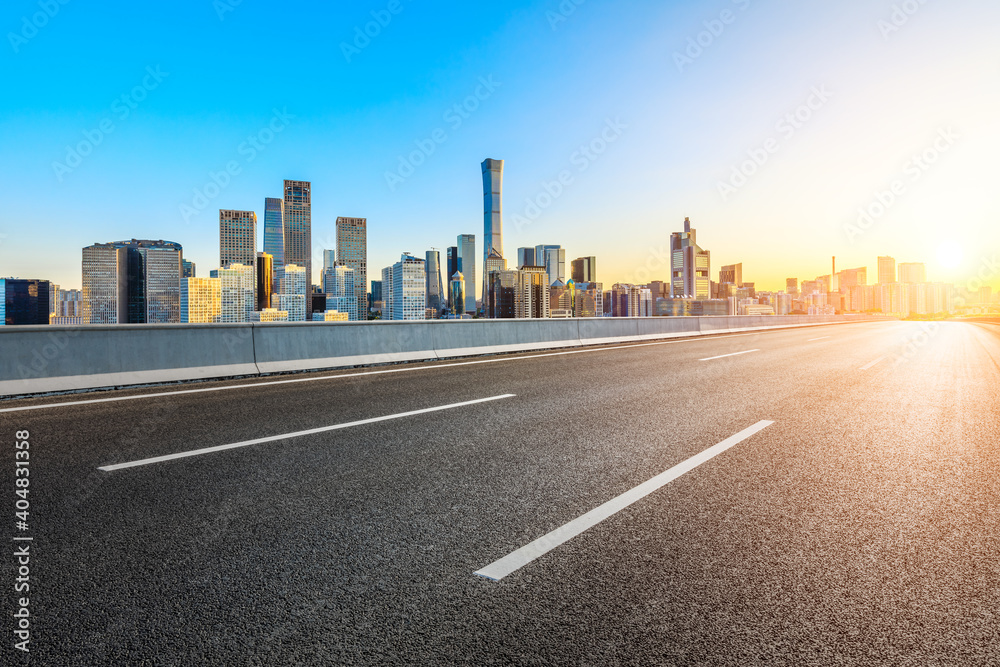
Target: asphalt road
x=859 y=527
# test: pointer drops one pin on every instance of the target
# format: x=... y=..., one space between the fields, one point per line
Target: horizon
x=750 y=142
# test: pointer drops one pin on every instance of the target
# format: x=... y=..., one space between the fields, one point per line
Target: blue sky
x=882 y=89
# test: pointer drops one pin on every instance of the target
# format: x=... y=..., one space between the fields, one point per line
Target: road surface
x=824 y=495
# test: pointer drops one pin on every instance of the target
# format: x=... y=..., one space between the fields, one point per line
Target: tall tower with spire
x=492 y=216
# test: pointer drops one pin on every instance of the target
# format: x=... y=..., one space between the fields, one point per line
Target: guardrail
x=40 y=359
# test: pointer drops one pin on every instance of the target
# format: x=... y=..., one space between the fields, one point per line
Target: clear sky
x=676 y=118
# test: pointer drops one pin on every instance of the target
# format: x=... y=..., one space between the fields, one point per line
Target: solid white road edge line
x=499 y=569
x=297 y=434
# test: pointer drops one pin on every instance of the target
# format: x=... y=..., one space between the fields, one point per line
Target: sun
x=950 y=255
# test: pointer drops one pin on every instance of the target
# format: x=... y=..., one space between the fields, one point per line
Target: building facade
x=352 y=251
x=274 y=234
x=237 y=238
x=24 y=302
x=689 y=265
x=201 y=300
x=297 y=227
x=467 y=261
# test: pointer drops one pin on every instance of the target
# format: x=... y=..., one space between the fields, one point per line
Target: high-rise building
x=502 y=294
x=387 y=293
x=732 y=274
x=532 y=298
x=492 y=212
x=237 y=285
x=553 y=258
x=237 y=238
x=689 y=265
x=297 y=226
x=467 y=261
x=435 y=289
x=886 y=270
x=135 y=282
x=274 y=233
x=494 y=263
x=188 y=269
x=590 y=300
x=329 y=260
x=105 y=284
x=456 y=293
x=24 y=302
x=154 y=282
x=68 y=305
x=585 y=270
x=409 y=285
x=376 y=300
x=792 y=286
x=339 y=288
x=201 y=300
x=453 y=266
x=626 y=300
x=525 y=257
x=352 y=251
x=293 y=294
x=265 y=280
x=912 y=273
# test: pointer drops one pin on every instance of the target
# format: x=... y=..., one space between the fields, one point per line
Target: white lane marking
x=820 y=338
x=296 y=434
x=874 y=363
x=734 y=354
x=499 y=569
x=380 y=372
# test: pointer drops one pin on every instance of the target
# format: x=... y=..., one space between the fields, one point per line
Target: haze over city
x=836 y=107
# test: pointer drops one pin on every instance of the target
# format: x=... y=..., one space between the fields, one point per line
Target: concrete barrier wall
x=48 y=358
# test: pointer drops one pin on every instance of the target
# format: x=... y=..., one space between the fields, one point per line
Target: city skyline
x=929 y=130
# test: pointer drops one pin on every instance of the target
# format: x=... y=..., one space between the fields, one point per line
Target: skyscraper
x=265 y=280
x=732 y=274
x=454 y=266
x=339 y=288
x=237 y=286
x=409 y=285
x=237 y=238
x=689 y=265
x=134 y=282
x=525 y=257
x=24 y=301
x=553 y=258
x=435 y=290
x=188 y=269
x=201 y=300
x=105 y=284
x=352 y=251
x=886 y=270
x=495 y=263
x=456 y=292
x=792 y=285
x=467 y=261
x=297 y=226
x=492 y=213
x=294 y=294
x=274 y=233
x=329 y=260
x=585 y=270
